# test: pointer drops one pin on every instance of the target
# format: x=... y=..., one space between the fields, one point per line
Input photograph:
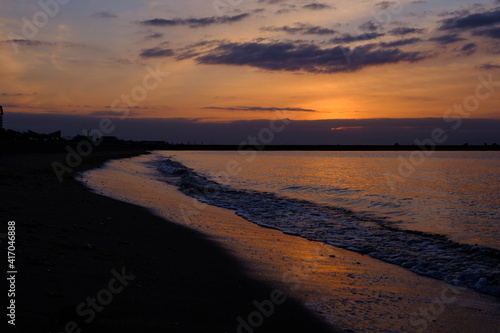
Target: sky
x=340 y=71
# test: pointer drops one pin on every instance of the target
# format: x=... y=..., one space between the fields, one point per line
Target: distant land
x=16 y=147
x=336 y=147
x=19 y=142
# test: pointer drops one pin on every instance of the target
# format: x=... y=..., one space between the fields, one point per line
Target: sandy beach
x=351 y=291
x=87 y=262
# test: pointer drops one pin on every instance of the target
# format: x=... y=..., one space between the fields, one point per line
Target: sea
x=435 y=214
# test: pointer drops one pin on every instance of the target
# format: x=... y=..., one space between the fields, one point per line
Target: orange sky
x=239 y=62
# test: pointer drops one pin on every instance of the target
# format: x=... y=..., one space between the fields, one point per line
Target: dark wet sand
x=69 y=240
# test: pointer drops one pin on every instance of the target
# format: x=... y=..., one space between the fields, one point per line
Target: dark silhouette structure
x=56 y=136
x=1 y=119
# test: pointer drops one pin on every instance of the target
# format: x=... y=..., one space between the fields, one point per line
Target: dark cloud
x=258 y=108
x=283 y=11
x=456 y=13
x=447 y=39
x=469 y=49
x=196 y=49
x=419 y=2
x=401 y=42
x=29 y=42
x=104 y=15
x=39 y=43
x=489 y=32
x=470 y=21
x=112 y=114
x=194 y=22
x=348 y=38
x=156 y=52
x=290 y=56
x=489 y=66
x=155 y=35
x=369 y=26
x=385 y=4
x=286 y=8
x=17 y=94
x=271 y=2
x=401 y=31
x=300 y=28
x=317 y=6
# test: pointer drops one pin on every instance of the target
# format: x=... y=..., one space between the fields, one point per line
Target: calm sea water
x=442 y=221
x=451 y=193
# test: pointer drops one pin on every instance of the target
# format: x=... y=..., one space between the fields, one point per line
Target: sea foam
x=424 y=253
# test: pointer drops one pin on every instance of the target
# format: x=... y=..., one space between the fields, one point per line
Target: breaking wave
x=427 y=254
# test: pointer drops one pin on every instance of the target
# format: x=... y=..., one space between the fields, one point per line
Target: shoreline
x=75 y=245
x=338 y=283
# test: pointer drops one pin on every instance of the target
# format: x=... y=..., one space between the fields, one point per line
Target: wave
x=424 y=253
